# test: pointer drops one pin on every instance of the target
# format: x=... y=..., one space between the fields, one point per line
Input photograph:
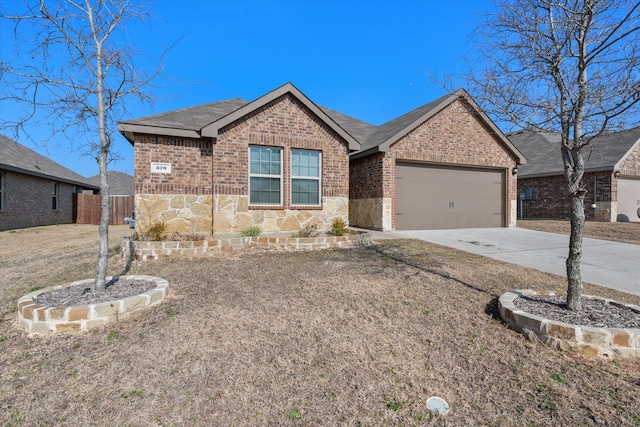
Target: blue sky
x=370 y=59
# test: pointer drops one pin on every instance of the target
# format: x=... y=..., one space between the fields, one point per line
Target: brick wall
x=190 y=165
x=221 y=168
x=287 y=124
x=550 y=197
x=365 y=177
x=27 y=202
x=454 y=136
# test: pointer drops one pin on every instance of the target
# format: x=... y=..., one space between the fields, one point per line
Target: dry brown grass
x=625 y=232
x=338 y=337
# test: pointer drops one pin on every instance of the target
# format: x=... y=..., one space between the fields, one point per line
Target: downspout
x=213 y=198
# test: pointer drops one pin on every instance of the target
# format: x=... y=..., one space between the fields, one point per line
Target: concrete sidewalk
x=609 y=264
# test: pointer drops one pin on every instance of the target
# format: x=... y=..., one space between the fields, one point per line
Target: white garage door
x=431 y=197
x=628 y=200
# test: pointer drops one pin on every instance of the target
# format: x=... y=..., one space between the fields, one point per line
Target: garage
x=628 y=200
x=437 y=197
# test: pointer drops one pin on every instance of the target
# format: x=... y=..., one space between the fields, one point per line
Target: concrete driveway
x=610 y=264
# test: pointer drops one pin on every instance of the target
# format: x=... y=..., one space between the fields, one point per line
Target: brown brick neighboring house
x=35 y=190
x=281 y=162
x=612 y=177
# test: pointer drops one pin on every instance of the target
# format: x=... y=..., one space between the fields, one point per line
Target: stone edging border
x=43 y=320
x=586 y=341
x=132 y=249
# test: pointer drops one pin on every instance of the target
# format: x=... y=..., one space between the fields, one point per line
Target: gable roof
x=186 y=122
x=207 y=120
x=543 y=151
x=391 y=132
x=16 y=157
x=120 y=183
x=363 y=138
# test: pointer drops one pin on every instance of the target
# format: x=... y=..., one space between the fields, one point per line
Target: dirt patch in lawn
x=624 y=232
x=360 y=336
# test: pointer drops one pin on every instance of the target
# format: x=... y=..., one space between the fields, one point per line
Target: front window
x=54 y=196
x=265 y=175
x=305 y=177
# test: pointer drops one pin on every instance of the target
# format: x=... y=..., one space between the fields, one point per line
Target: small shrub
x=309 y=230
x=156 y=231
x=253 y=231
x=338 y=227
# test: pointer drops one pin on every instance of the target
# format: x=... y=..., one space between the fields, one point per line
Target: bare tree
x=567 y=66
x=74 y=71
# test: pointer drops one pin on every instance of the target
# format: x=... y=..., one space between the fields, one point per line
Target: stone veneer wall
x=146 y=251
x=231 y=214
x=373 y=213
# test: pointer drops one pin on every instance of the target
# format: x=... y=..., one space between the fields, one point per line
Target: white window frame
x=280 y=176
x=55 y=193
x=307 y=178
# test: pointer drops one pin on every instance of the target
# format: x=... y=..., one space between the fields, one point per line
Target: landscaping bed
x=164 y=249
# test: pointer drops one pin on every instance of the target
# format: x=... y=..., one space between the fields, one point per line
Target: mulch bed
x=595 y=313
x=85 y=294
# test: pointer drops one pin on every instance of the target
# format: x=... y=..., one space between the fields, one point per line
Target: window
x=265 y=176
x=54 y=196
x=305 y=177
x=1 y=191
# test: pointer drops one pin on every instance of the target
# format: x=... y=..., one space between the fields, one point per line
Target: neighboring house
x=281 y=162
x=120 y=183
x=612 y=177
x=35 y=190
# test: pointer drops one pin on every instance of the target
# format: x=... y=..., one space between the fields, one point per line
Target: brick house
x=35 y=190
x=442 y=165
x=281 y=162
x=612 y=177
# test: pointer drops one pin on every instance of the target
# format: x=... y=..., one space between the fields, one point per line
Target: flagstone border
x=590 y=342
x=44 y=320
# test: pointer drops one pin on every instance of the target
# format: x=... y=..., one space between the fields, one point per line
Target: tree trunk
x=103 y=228
x=574 y=279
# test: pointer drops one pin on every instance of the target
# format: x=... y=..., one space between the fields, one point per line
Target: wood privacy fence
x=88 y=208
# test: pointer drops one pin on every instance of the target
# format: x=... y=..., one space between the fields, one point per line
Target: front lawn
x=350 y=337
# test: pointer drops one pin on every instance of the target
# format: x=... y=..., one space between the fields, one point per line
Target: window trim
x=309 y=178
x=55 y=192
x=280 y=176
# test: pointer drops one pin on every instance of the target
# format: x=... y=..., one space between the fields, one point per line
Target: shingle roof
x=192 y=118
x=542 y=150
x=208 y=119
x=120 y=183
x=357 y=128
x=391 y=128
x=18 y=158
